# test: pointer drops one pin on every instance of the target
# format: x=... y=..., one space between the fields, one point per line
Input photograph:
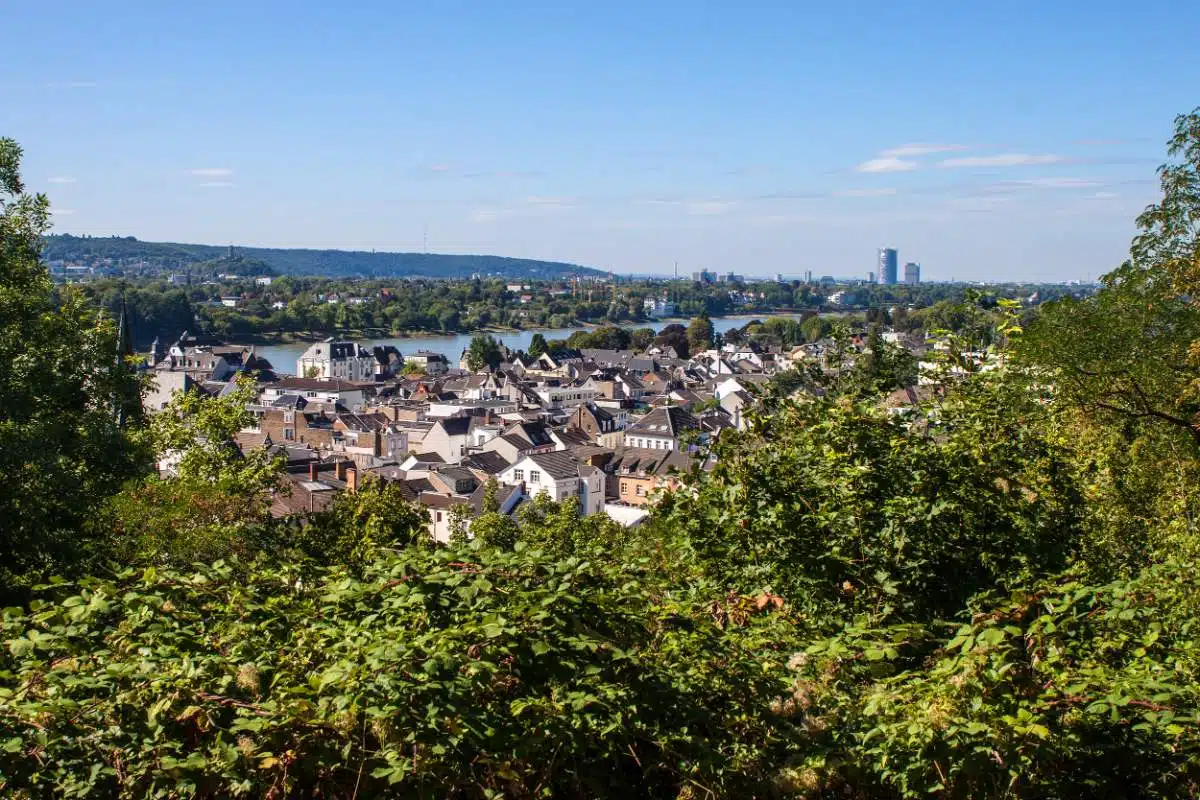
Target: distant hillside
x=332 y=263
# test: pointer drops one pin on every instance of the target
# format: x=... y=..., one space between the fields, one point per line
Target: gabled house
x=636 y=473
x=330 y=358
x=558 y=475
x=448 y=438
x=521 y=439
x=661 y=429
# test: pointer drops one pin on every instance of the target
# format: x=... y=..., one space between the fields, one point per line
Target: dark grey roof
x=456 y=426
x=486 y=461
x=635 y=460
x=665 y=421
x=557 y=465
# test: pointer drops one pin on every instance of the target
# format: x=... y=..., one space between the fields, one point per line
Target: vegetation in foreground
x=992 y=596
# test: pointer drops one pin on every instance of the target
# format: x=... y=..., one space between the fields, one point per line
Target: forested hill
x=334 y=263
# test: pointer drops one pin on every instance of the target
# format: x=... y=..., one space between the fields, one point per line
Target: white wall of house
x=651 y=442
x=450 y=448
x=537 y=481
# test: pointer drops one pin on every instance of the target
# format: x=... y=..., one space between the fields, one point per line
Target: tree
x=641 y=339
x=537 y=345
x=63 y=390
x=484 y=352
x=673 y=335
x=815 y=328
x=700 y=334
x=216 y=499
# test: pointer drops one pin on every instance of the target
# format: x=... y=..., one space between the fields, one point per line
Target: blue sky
x=987 y=141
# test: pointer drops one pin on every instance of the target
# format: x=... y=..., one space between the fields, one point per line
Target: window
x=534 y=476
x=438 y=516
x=518 y=474
x=624 y=487
x=641 y=490
x=289 y=433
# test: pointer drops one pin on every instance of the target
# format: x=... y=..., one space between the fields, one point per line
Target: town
x=608 y=428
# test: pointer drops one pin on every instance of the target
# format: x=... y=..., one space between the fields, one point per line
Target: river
x=283 y=356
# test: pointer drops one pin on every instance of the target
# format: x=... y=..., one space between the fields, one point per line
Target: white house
x=564 y=396
x=332 y=359
x=319 y=390
x=558 y=475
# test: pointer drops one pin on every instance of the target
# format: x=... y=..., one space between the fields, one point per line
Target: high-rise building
x=888 y=265
x=870 y=277
x=912 y=273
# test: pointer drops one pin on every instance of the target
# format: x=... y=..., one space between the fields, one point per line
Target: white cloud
x=1103 y=195
x=60 y=179
x=215 y=184
x=887 y=164
x=441 y=168
x=212 y=172
x=917 y=149
x=1001 y=160
x=864 y=192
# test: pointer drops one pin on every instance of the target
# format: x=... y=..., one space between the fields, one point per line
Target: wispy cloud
x=215 y=184
x=864 y=192
x=1001 y=160
x=900 y=159
x=917 y=149
x=60 y=179
x=211 y=172
x=887 y=164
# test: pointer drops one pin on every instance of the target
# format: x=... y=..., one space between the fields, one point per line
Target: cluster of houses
x=609 y=428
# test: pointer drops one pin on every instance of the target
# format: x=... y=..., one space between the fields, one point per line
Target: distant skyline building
x=912 y=273
x=888 y=265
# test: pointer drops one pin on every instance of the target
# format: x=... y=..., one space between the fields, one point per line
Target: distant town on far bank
x=268 y=296
x=75 y=258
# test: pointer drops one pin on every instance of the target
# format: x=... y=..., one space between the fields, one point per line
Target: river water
x=283 y=356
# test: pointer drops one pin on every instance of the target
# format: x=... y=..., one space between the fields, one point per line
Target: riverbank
x=381 y=334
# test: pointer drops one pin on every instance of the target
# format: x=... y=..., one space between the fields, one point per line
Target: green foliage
x=700 y=334
x=673 y=335
x=194 y=435
x=850 y=511
x=537 y=345
x=358 y=524
x=447 y=673
x=63 y=389
x=1063 y=690
x=484 y=353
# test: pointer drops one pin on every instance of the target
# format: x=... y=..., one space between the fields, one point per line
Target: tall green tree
x=484 y=352
x=537 y=345
x=700 y=334
x=64 y=387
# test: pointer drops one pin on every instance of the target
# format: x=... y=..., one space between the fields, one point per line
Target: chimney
x=313 y=466
x=340 y=470
x=351 y=479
